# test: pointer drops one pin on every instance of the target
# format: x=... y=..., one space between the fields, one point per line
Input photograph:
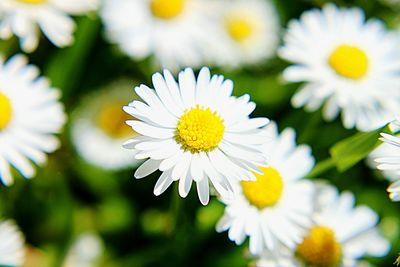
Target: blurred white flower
x=195 y=130
x=12 y=244
x=175 y=32
x=85 y=251
x=350 y=64
x=247 y=32
x=30 y=115
x=98 y=127
x=276 y=208
x=25 y=18
x=340 y=236
x=390 y=162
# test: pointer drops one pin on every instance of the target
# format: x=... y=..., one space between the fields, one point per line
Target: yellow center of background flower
x=199 y=130
x=266 y=190
x=33 y=2
x=5 y=111
x=320 y=248
x=239 y=28
x=111 y=119
x=349 y=61
x=167 y=9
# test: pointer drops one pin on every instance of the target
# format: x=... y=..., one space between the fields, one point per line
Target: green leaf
x=350 y=151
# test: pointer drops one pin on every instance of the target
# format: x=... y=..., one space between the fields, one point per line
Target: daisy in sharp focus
x=348 y=64
x=12 y=245
x=275 y=209
x=248 y=32
x=30 y=115
x=341 y=235
x=98 y=127
x=175 y=32
x=25 y=18
x=390 y=162
x=195 y=130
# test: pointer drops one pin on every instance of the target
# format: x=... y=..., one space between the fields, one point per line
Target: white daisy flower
x=248 y=32
x=174 y=31
x=25 y=18
x=12 y=244
x=385 y=150
x=85 y=251
x=340 y=236
x=195 y=130
x=276 y=208
x=350 y=64
x=98 y=127
x=390 y=162
x=30 y=115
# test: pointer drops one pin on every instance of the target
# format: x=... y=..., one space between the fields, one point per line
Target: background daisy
x=30 y=116
x=24 y=18
x=276 y=208
x=195 y=130
x=348 y=63
x=390 y=162
x=98 y=127
x=247 y=32
x=12 y=244
x=340 y=236
x=175 y=32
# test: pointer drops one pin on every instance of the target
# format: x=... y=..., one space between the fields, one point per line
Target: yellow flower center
x=239 y=28
x=111 y=119
x=320 y=248
x=199 y=130
x=266 y=190
x=167 y=9
x=33 y=2
x=5 y=111
x=349 y=61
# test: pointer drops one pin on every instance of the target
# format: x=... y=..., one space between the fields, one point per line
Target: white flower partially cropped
x=341 y=235
x=390 y=162
x=25 y=18
x=98 y=127
x=12 y=244
x=276 y=208
x=175 y=32
x=30 y=115
x=348 y=64
x=195 y=130
x=247 y=32
x=85 y=251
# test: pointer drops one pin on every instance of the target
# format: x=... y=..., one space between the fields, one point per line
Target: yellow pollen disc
x=266 y=190
x=167 y=9
x=33 y=2
x=349 y=61
x=5 y=111
x=111 y=119
x=199 y=130
x=320 y=248
x=239 y=28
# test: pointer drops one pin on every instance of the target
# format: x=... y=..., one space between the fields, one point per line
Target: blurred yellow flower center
x=239 y=28
x=266 y=190
x=34 y=2
x=111 y=119
x=349 y=61
x=199 y=130
x=5 y=111
x=320 y=248
x=167 y=9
